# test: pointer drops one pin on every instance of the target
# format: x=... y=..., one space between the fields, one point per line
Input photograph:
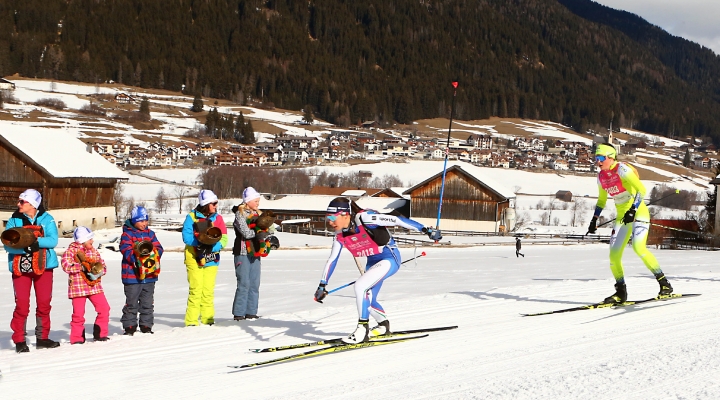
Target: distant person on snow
x=32 y=267
x=364 y=233
x=141 y=251
x=621 y=181
x=518 y=246
x=202 y=259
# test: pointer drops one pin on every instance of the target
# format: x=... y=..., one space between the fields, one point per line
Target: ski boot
x=382 y=328
x=46 y=344
x=360 y=335
x=620 y=295
x=665 y=287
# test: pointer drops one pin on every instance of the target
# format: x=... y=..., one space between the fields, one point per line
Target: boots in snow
x=620 y=295
x=360 y=335
x=382 y=328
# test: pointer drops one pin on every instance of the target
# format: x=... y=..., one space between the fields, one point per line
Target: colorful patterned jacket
x=130 y=236
x=77 y=286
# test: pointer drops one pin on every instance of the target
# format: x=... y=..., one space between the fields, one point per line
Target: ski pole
x=436 y=234
x=649 y=204
x=348 y=284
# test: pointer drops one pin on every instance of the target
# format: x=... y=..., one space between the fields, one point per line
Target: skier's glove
x=33 y=248
x=593 y=225
x=629 y=216
x=320 y=293
x=431 y=233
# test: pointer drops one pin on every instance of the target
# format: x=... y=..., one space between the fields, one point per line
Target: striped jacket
x=130 y=236
x=77 y=287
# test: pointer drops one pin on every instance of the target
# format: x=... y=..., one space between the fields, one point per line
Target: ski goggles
x=334 y=217
x=600 y=158
x=23 y=202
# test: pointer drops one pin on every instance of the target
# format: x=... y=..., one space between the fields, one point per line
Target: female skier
x=621 y=181
x=364 y=234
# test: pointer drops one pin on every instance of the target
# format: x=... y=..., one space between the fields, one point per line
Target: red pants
x=43 y=295
x=77 y=324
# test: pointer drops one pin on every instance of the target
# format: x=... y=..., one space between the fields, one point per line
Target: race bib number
x=359 y=244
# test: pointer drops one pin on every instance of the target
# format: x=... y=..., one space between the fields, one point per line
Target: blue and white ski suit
x=378 y=268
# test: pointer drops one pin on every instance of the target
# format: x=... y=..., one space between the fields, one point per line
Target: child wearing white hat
x=202 y=259
x=85 y=266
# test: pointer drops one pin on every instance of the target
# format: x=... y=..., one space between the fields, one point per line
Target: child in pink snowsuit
x=85 y=267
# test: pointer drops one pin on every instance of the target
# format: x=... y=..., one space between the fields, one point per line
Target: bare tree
x=162 y=202
x=118 y=199
x=179 y=192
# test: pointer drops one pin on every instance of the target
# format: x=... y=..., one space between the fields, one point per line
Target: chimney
x=89 y=147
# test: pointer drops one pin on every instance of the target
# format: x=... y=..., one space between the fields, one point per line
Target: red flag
x=455 y=85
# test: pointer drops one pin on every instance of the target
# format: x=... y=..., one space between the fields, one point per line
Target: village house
x=6 y=84
x=73 y=193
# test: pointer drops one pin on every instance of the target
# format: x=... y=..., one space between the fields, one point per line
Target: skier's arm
x=390 y=220
x=602 y=200
x=332 y=261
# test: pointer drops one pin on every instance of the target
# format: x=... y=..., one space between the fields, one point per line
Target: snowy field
x=664 y=350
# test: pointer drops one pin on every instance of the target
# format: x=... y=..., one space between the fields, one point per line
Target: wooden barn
x=77 y=185
x=470 y=202
x=301 y=212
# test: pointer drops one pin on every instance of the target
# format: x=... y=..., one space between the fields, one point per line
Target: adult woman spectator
x=249 y=239
x=32 y=260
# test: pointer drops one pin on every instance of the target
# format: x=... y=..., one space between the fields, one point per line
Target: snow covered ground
x=655 y=351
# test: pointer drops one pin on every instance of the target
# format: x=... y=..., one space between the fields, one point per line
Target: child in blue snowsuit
x=364 y=234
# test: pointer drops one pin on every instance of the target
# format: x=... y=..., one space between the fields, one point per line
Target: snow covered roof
x=59 y=153
x=477 y=174
x=354 y=193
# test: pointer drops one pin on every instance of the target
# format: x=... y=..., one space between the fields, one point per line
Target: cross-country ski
x=613 y=305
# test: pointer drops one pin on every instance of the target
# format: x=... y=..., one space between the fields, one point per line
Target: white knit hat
x=32 y=196
x=206 y=197
x=82 y=234
x=250 y=194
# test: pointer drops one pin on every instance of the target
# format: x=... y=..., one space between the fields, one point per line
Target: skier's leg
x=618 y=240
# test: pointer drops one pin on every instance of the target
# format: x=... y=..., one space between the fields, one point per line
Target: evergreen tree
x=238 y=131
x=248 y=133
x=145 y=109
x=687 y=159
x=307 y=114
x=211 y=122
x=197 y=104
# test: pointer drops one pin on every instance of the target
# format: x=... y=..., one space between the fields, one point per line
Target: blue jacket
x=129 y=236
x=190 y=240
x=48 y=241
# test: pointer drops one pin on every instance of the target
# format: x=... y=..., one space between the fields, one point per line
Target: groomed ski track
x=661 y=350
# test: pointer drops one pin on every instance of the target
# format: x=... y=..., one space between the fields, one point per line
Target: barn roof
x=58 y=153
x=318 y=203
x=475 y=174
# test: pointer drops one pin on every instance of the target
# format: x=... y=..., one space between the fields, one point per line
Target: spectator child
x=141 y=253
x=83 y=264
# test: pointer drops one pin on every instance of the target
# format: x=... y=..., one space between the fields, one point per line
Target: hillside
x=171 y=119
x=377 y=60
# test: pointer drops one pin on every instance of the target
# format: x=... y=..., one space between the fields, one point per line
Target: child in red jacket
x=85 y=267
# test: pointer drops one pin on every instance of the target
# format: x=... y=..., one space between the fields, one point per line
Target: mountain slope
x=357 y=60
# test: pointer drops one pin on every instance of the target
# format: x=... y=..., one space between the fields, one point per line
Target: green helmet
x=606 y=150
